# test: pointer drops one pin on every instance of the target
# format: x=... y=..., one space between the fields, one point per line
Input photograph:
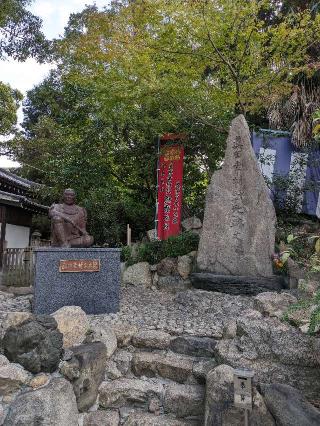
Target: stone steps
x=157 y=379
x=154 y=395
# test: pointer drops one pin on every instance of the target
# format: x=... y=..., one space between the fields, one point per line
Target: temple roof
x=22 y=202
x=17 y=191
x=14 y=183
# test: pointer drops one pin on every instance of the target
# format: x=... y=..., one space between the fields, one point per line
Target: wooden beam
x=3 y=220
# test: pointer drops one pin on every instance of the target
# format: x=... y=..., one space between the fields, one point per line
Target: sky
x=24 y=75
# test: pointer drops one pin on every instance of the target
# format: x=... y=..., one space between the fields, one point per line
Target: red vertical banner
x=170 y=190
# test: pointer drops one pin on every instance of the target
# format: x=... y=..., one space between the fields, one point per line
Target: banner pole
x=156 y=220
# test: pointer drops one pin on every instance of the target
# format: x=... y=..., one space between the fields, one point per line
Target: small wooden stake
x=128 y=235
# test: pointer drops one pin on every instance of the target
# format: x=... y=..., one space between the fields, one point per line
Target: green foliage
x=20 y=32
x=9 y=103
x=304 y=305
x=153 y=252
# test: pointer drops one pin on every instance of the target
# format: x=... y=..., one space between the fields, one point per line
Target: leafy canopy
x=144 y=68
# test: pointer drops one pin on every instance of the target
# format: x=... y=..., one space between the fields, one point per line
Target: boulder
x=12 y=378
x=191 y=223
x=86 y=371
x=194 y=346
x=153 y=339
x=184 y=266
x=167 y=266
x=184 y=400
x=219 y=405
x=274 y=304
x=54 y=405
x=238 y=233
x=73 y=324
x=288 y=406
x=118 y=393
x=36 y=344
x=138 y=274
x=101 y=418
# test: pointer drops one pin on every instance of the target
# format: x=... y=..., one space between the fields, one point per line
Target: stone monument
x=238 y=234
x=70 y=272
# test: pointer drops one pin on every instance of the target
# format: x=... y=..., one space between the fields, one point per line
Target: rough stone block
x=174 y=367
x=86 y=371
x=154 y=339
x=184 y=400
x=94 y=292
x=193 y=346
x=118 y=393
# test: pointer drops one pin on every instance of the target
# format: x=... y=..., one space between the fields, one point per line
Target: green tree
x=20 y=38
x=9 y=103
x=144 y=68
x=20 y=32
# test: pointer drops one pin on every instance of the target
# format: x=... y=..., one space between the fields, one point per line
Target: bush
x=153 y=252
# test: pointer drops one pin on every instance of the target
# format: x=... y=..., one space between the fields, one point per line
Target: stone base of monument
x=236 y=285
x=85 y=277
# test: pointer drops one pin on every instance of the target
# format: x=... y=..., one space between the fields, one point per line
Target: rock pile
x=170 y=274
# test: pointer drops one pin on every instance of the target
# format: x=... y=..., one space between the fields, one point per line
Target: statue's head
x=69 y=196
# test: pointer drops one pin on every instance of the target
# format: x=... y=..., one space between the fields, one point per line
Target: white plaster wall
x=298 y=171
x=17 y=236
x=267 y=158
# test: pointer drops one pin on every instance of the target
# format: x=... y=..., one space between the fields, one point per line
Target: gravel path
x=192 y=312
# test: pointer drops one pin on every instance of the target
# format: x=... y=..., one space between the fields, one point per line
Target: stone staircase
x=158 y=380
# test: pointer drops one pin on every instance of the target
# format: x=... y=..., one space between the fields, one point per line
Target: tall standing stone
x=238 y=233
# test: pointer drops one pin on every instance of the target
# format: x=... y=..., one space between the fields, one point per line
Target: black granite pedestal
x=63 y=277
x=237 y=285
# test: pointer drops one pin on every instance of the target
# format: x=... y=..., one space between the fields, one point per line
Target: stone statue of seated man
x=68 y=223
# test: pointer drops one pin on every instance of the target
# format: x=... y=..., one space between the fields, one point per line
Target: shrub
x=153 y=252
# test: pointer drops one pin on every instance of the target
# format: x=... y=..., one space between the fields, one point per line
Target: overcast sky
x=24 y=75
